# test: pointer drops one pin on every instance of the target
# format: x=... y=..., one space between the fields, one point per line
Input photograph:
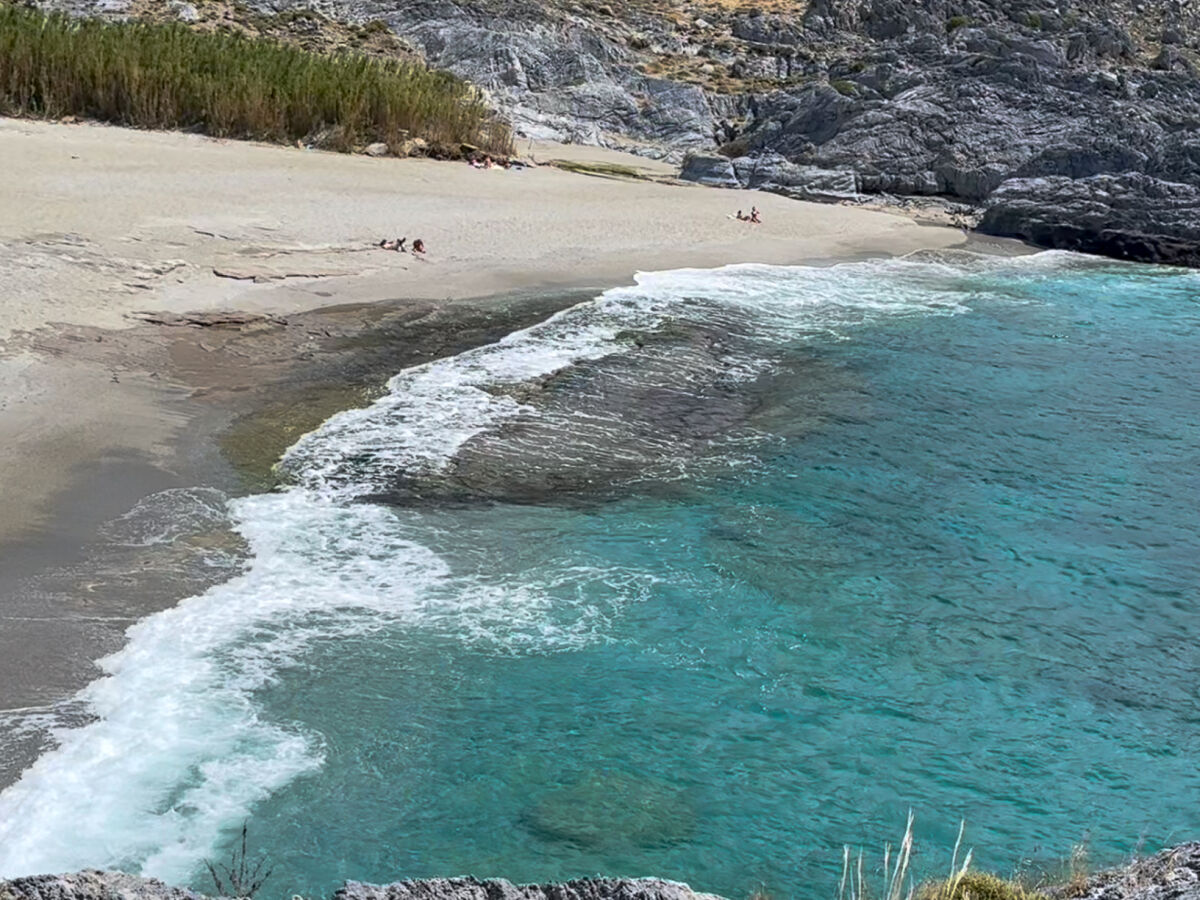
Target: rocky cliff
x=829 y=99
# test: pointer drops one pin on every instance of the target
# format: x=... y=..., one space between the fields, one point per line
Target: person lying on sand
x=418 y=247
x=397 y=244
x=740 y=217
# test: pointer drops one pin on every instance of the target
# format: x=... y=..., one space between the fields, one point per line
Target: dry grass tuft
x=962 y=883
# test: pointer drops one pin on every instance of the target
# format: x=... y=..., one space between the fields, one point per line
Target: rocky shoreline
x=98 y=885
x=1172 y=874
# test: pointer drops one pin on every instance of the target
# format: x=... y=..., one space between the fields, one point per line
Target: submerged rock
x=606 y=809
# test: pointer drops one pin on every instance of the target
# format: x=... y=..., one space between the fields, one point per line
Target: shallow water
x=701 y=579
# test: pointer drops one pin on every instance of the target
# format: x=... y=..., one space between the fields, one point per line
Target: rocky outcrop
x=91 y=885
x=95 y=885
x=1128 y=216
x=1170 y=875
x=715 y=171
x=558 y=73
x=499 y=889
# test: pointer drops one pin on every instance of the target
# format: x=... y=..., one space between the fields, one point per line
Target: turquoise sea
x=704 y=578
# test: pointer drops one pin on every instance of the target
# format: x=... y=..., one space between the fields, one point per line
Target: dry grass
x=167 y=76
x=961 y=884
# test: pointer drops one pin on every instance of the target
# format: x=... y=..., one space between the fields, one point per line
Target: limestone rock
x=710 y=169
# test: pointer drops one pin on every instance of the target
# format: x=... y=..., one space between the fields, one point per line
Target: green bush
x=1034 y=20
x=845 y=88
x=167 y=76
x=956 y=22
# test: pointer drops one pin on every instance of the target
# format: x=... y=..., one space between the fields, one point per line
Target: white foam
x=180 y=750
x=165 y=516
x=431 y=410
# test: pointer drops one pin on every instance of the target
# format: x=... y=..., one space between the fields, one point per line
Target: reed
x=963 y=883
x=167 y=76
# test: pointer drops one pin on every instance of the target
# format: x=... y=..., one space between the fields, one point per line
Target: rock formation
x=1170 y=875
x=95 y=885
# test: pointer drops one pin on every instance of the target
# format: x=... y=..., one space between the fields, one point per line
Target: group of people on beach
x=753 y=217
x=486 y=162
x=397 y=244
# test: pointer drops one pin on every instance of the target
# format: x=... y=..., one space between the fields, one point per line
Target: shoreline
x=105 y=223
x=264 y=298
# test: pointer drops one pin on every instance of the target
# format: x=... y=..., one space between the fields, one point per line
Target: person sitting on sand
x=418 y=247
x=487 y=162
x=397 y=244
x=754 y=215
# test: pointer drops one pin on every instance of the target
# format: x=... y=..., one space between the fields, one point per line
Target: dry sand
x=97 y=223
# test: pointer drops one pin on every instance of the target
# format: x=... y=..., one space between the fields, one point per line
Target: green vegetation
x=976 y=886
x=1033 y=20
x=167 y=76
x=845 y=88
x=955 y=22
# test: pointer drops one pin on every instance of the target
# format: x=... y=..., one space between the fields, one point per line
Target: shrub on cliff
x=166 y=76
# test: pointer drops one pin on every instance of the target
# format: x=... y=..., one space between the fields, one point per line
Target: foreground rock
x=95 y=885
x=1170 y=875
x=1126 y=216
x=499 y=889
x=91 y=885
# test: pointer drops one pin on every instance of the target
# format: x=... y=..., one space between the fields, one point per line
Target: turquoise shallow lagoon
x=769 y=557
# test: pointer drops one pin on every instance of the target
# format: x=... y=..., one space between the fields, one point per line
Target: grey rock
x=775 y=173
x=1129 y=216
x=715 y=171
x=91 y=885
x=377 y=149
x=499 y=889
x=1170 y=875
x=96 y=885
